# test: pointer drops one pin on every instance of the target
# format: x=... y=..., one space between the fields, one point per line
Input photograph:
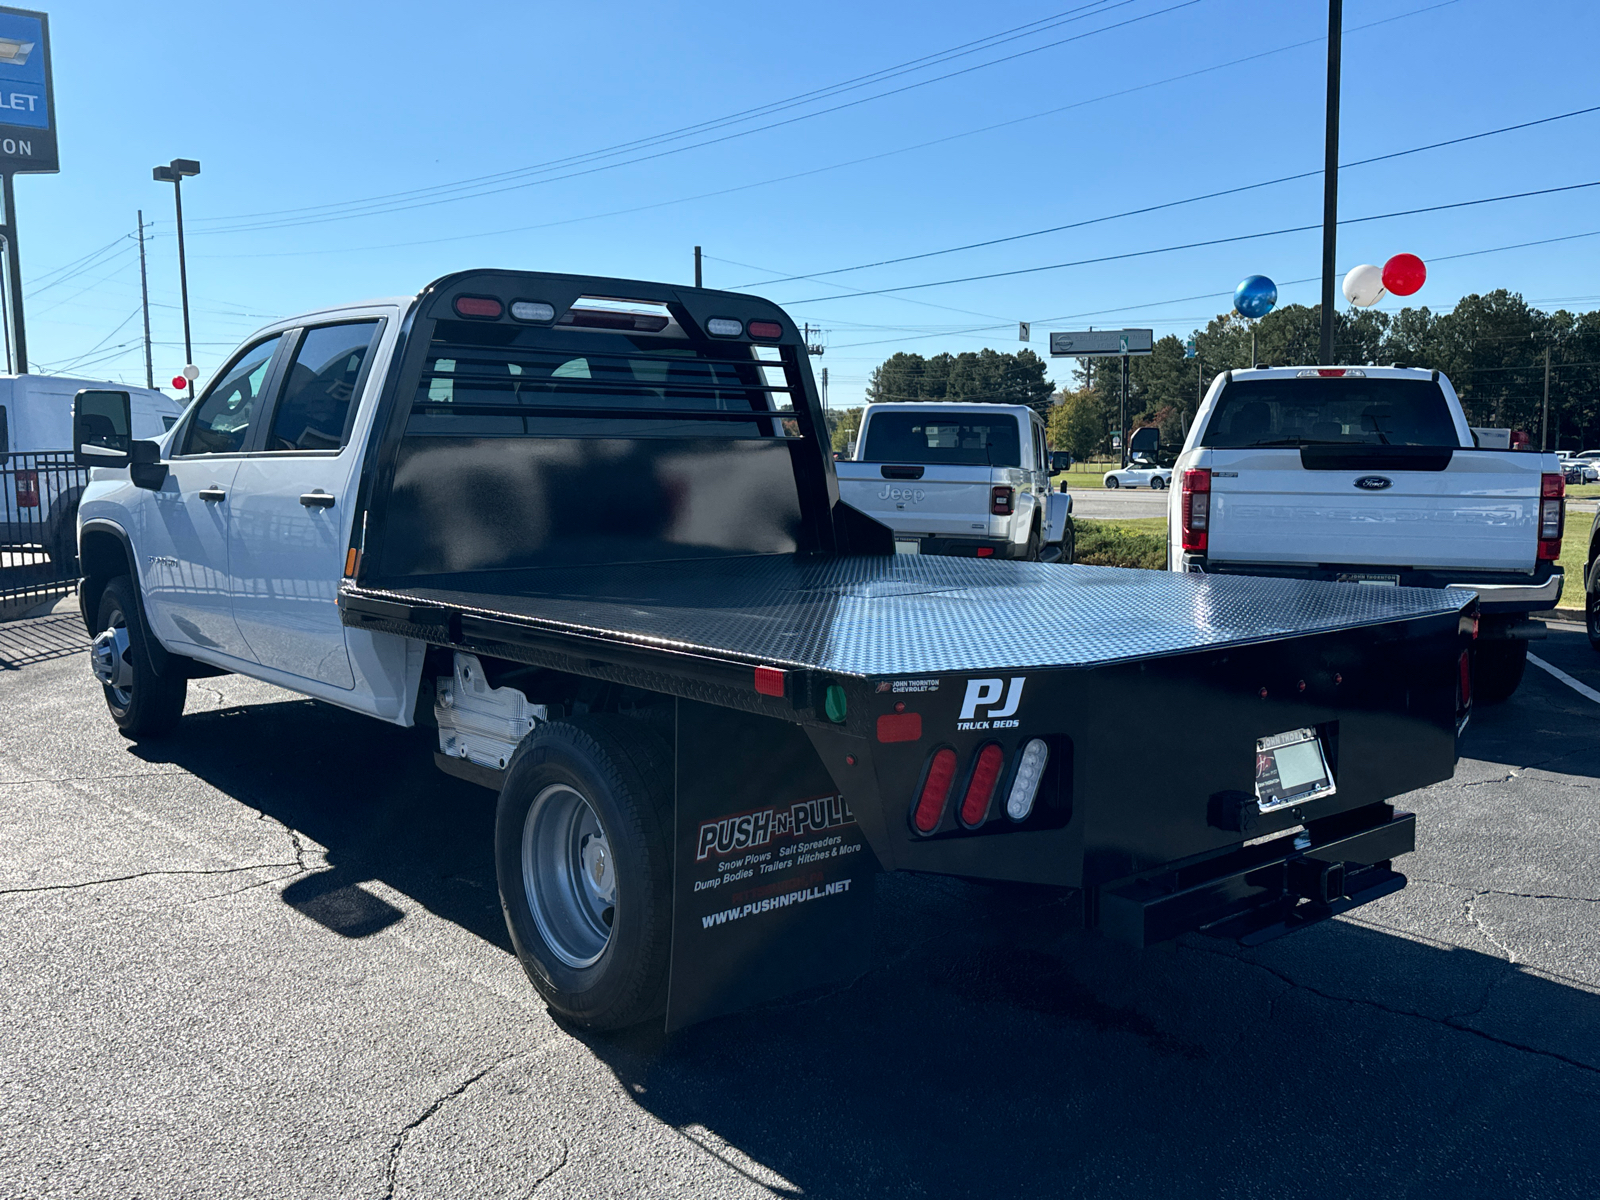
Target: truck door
x=182 y=533
x=289 y=524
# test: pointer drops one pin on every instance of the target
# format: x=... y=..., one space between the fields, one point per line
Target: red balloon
x=1404 y=274
x=179 y=383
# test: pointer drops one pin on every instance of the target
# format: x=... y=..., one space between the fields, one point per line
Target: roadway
x=266 y=957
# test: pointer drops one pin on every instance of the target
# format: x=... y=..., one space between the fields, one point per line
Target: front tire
x=1113 y=482
x=583 y=852
x=142 y=703
x=1497 y=669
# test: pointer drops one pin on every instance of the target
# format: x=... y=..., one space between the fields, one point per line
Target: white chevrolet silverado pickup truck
x=971 y=480
x=1371 y=475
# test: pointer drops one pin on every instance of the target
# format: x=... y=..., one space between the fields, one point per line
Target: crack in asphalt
x=1468 y=913
x=1448 y=1022
x=404 y=1135
x=174 y=871
x=96 y=777
x=1481 y=891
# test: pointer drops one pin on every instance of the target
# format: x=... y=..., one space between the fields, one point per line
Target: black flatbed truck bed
x=816 y=691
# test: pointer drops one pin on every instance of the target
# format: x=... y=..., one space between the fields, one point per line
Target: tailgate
x=951 y=500
x=1480 y=512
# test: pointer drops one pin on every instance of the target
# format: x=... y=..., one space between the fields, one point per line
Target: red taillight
x=770 y=681
x=767 y=331
x=1464 y=671
x=479 y=306
x=27 y=489
x=1000 y=501
x=980 y=788
x=1552 y=516
x=935 y=791
x=1330 y=373
x=1196 y=508
x=985 y=552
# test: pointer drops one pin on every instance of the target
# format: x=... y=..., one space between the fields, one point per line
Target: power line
x=964 y=48
x=1101 y=312
x=1150 y=208
x=375 y=210
x=1243 y=237
x=853 y=162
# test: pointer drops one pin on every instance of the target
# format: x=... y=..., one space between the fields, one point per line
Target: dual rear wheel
x=583 y=836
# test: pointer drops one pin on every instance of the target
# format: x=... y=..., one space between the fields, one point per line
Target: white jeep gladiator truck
x=594 y=547
x=1371 y=476
x=971 y=480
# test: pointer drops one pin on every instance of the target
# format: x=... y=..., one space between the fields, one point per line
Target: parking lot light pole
x=174 y=173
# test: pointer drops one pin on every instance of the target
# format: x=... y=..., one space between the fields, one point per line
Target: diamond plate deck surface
x=913 y=614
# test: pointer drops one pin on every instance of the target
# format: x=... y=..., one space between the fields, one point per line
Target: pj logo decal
x=982 y=707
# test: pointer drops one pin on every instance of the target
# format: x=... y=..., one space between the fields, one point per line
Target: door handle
x=212 y=494
x=316 y=499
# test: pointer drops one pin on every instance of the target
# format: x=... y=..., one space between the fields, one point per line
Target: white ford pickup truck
x=971 y=480
x=1371 y=475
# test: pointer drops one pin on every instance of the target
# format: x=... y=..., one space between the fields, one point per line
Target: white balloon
x=1363 y=287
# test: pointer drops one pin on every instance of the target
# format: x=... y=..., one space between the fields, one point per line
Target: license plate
x=1372 y=580
x=1291 y=769
x=907 y=546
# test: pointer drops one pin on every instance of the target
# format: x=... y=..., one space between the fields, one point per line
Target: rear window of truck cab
x=957 y=440
x=495 y=380
x=1254 y=413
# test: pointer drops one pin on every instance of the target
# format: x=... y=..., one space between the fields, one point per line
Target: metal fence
x=38 y=528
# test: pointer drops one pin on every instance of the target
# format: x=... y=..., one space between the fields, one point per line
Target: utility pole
x=824 y=389
x=14 y=276
x=1330 y=180
x=144 y=298
x=1544 y=420
x=697 y=282
x=1122 y=411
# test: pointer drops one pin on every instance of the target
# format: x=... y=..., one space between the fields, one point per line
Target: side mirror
x=146 y=469
x=102 y=424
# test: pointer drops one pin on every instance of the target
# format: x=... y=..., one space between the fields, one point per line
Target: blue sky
x=311 y=105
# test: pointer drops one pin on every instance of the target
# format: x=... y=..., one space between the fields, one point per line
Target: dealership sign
x=27 y=103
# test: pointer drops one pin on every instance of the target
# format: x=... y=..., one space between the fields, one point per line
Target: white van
x=39 y=495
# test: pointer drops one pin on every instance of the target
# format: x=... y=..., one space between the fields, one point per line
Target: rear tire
x=1497 y=669
x=1031 y=554
x=1157 y=484
x=583 y=851
x=1069 y=543
x=142 y=703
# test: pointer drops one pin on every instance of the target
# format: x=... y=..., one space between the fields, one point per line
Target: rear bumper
x=1259 y=892
x=1496 y=593
x=964 y=547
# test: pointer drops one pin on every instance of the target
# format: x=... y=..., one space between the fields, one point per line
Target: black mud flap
x=772 y=888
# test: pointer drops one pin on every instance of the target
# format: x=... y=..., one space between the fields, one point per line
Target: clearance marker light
x=935 y=790
x=479 y=306
x=769 y=331
x=1025 y=787
x=532 y=310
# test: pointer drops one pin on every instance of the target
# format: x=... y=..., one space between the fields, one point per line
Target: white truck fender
x=1057 y=511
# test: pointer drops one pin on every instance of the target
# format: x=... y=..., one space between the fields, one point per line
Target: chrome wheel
x=110 y=660
x=568 y=875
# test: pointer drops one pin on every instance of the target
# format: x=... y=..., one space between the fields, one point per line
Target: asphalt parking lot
x=265 y=958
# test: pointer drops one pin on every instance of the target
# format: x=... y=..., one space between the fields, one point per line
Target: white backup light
x=724 y=327
x=532 y=310
x=1025 y=787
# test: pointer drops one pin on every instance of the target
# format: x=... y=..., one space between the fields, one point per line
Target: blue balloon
x=1255 y=297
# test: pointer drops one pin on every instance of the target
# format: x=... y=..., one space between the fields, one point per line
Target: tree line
x=1492 y=347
